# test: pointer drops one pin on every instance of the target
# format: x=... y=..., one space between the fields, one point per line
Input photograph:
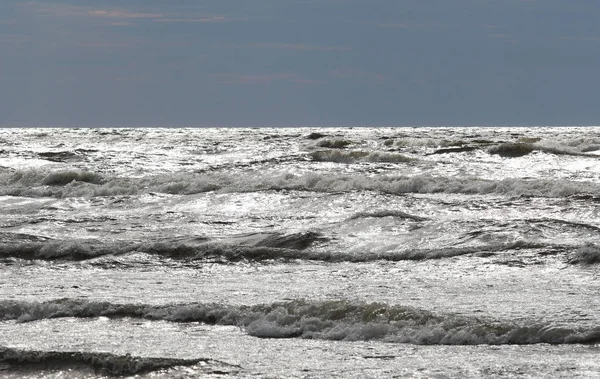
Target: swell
x=256 y=247
x=587 y=254
x=355 y=156
x=36 y=183
x=387 y=213
x=329 y=320
x=565 y=223
x=521 y=148
x=104 y=363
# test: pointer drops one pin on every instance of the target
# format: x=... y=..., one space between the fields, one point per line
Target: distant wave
x=339 y=156
x=66 y=156
x=460 y=149
x=330 y=320
x=578 y=225
x=105 y=363
x=388 y=213
x=520 y=144
x=512 y=149
x=334 y=143
x=38 y=183
x=519 y=149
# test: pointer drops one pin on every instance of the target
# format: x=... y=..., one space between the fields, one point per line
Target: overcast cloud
x=299 y=62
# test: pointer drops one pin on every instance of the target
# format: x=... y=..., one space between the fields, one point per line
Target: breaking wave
x=333 y=143
x=588 y=254
x=521 y=148
x=388 y=213
x=339 y=156
x=257 y=246
x=105 y=363
x=512 y=149
x=37 y=183
x=329 y=320
x=460 y=149
x=254 y=247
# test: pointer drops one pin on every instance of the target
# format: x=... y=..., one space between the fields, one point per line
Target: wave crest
x=252 y=247
x=388 y=213
x=588 y=254
x=512 y=149
x=527 y=145
x=338 y=156
x=31 y=184
x=105 y=363
x=330 y=320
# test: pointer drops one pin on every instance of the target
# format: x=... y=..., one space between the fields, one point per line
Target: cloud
x=504 y=37
x=581 y=38
x=105 y=44
x=264 y=79
x=409 y=25
x=298 y=46
x=14 y=38
x=120 y=23
x=200 y=19
x=120 y=16
x=124 y=14
x=55 y=9
x=372 y=77
x=156 y=17
x=394 y=26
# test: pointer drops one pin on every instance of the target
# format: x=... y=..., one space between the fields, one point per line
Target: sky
x=299 y=62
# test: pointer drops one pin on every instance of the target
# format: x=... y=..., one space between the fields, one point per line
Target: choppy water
x=318 y=253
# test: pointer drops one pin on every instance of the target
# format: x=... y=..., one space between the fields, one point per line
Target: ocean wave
x=63 y=249
x=338 y=156
x=336 y=143
x=587 y=254
x=66 y=156
x=512 y=149
x=38 y=183
x=567 y=223
x=315 y=135
x=263 y=250
x=522 y=148
x=33 y=177
x=551 y=142
x=255 y=247
x=329 y=320
x=61 y=178
x=387 y=213
x=460 y=149
x=104 y=363
x=407 y=141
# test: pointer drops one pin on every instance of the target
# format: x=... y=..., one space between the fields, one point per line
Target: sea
x=463 y=252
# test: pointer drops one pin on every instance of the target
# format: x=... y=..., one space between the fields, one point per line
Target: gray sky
x=299 y=62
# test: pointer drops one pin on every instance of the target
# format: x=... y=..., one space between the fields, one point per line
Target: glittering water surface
x=407 y=252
